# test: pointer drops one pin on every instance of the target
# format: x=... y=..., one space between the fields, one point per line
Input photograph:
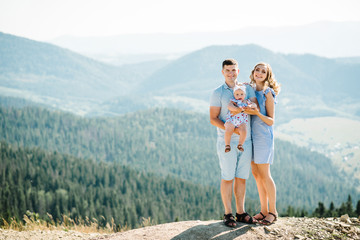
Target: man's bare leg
x=240 y=192
x=226 y=195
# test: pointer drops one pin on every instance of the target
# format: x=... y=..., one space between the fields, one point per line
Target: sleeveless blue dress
x=262 y=134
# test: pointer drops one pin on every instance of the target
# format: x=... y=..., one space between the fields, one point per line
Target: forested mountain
x=19 y=103
x=176 y=143
x=43 y=182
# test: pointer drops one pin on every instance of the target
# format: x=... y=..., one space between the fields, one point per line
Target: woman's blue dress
x=262 y=134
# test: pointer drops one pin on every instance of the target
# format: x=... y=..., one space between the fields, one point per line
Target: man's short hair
x=229 y=61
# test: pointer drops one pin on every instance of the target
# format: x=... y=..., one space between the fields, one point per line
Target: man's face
x=230 y=73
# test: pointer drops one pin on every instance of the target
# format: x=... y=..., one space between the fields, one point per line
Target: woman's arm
x=269 y=119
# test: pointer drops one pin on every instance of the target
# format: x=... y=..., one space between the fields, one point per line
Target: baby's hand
x=238 y=110
x=252 y=105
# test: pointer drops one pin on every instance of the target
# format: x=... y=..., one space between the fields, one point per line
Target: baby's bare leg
x=243 y=132
x=229 y=130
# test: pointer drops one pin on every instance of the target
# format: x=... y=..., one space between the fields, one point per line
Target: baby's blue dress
x=239 y=118
x=262 y=134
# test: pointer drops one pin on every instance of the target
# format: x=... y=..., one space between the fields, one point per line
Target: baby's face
x=239 y=94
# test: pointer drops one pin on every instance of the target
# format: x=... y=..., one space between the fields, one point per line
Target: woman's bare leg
x=261 y=190
x=270 y=188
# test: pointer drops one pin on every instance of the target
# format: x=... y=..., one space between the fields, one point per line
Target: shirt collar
x=225 y=86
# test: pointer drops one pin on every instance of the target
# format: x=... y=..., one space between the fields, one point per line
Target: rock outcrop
x=283 y=228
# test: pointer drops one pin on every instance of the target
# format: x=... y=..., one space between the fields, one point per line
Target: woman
x=266 y=89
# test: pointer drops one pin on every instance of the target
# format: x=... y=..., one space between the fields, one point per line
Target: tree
x=331 y=211
x=320 y=210
x=349 y=207
x=357 y=211
x=342 y=209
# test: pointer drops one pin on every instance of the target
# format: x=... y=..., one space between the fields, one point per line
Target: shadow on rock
x=214 y=231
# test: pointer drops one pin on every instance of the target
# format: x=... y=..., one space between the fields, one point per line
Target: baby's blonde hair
x=270 y=80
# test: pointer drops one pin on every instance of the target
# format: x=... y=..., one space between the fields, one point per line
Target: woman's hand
x=251 y=111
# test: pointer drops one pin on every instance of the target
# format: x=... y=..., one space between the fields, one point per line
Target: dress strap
x=272 y=92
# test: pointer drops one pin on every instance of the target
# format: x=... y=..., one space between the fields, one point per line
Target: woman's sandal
x=242 y=218
x=261 y=218
x=227 y=148
x=267 y=222
x=240 y=147
x=229 y=220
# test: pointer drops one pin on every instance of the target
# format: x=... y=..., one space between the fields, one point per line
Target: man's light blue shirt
x=221 y=98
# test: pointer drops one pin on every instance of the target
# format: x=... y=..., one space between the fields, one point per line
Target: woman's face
x=260 y=73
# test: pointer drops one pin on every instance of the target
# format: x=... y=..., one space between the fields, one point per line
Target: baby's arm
x=234 y=108
x=250 y=104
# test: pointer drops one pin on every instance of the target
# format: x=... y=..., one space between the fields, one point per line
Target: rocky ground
x=284 y=228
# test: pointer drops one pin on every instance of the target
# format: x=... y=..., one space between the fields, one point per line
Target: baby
x=239 y=120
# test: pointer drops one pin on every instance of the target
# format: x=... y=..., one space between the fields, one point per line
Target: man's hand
x=238 y=110
x=237 y=131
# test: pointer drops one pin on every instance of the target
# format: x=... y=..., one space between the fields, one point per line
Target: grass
x=32 y=222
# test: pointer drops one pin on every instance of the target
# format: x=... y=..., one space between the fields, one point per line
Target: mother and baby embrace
x=246 y=141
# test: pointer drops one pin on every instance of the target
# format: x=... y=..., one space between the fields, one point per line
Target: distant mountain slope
x=47 y=70
x=41 y=72
x=332 y=79
x=200 y=71
x=178 y=143
x=311 y=85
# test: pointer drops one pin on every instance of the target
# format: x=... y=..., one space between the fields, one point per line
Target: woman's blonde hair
x=270 y=80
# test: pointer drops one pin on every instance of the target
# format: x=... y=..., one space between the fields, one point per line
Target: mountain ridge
x=72 y=82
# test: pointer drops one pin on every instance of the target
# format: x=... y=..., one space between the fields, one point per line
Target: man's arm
x=214 y=117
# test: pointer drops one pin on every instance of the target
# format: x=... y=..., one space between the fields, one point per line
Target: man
x=234 y=165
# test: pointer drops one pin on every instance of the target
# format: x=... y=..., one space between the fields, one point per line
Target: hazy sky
x=46 y=19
